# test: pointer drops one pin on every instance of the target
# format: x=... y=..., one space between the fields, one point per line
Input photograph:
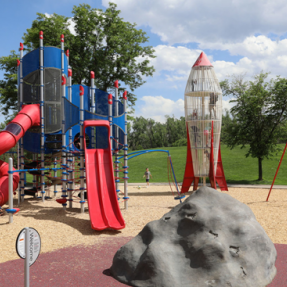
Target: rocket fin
x=188 y=174
x=195 y=184
x=220 y=177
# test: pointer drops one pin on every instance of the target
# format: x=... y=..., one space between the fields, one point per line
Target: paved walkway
x=89 y=266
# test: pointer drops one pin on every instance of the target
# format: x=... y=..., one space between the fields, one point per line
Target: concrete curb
x=229 y=185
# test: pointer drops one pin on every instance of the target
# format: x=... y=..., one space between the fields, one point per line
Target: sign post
x=27 y=257
x=28 y=246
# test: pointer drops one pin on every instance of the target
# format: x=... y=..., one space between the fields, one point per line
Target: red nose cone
x=69 y=73
x=125 y=95
x=18 y=62
x=110 y=99
x=63 y=81
x=81 y=90
x=202 y=60
x=21 y=46
x=116 y=84
x=92 y=75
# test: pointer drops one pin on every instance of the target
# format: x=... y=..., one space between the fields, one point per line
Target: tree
x=146 y=133
x=226 y=119
x=140 y=137
x=176 y=129
x=102 y=42
x=8 y=86
x=259 y=112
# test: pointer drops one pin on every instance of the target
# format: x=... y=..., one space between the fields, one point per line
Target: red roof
x=202 y=61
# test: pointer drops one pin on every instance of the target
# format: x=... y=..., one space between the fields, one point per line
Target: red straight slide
x=29 y=116
x=101 y=190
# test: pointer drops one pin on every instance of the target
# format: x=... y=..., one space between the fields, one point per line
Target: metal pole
x=93 y=108
x=20 y=100
x=55 y=175
x=202 y=136
x=10 y=180
x=34 y=176
x=70 y=158
x=82 y=169
x=42 y=115
x=64 y=161
x=116 y=85
x=21 y=193
x=26 y=264
x=276 y=172
x=110 y=101
x=126 y=153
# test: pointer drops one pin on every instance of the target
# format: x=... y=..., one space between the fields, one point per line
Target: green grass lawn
x=238 y=169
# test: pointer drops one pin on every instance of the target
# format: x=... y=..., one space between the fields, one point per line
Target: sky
x=238 y=37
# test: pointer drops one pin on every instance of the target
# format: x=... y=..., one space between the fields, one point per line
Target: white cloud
x=175 y=63
x=258 y=53
x=156 y=107
x=254 y=46
x=181 y=21
x=174 y=59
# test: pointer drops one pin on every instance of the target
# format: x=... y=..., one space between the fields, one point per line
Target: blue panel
x=120 y=138
x=120 y=107
x=30 y=62
x=32 y=142
x=53 y=59
x=91 y=116
x=76 y=96
x=72 y=114
x=101 y=102
x=120 y=121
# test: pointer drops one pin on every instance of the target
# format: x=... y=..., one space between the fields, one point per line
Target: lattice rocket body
x=203 y=104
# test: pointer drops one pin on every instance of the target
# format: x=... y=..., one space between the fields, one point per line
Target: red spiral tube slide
x=29 y=116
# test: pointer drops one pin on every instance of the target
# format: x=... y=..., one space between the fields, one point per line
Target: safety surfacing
x=89 y=266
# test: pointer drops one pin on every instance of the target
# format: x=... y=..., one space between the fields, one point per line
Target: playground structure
x=51 y=125
x=203 y=113
x=76 y=125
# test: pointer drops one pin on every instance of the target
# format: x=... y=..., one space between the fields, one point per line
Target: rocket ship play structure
x=60 y=123
x=203 y=113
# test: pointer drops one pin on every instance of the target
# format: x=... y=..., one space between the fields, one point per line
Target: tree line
x=147 y=133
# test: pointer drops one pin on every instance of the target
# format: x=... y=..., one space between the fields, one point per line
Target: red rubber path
x=88 y=266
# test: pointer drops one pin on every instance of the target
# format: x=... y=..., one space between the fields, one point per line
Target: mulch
x=89 y=266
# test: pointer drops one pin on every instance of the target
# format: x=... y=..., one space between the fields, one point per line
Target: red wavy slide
x=29 y=116
x=101 y=190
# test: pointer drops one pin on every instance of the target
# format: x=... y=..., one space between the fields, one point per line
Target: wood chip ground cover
x=59 y=228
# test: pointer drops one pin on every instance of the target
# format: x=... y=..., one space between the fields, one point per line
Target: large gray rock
x=210 y=239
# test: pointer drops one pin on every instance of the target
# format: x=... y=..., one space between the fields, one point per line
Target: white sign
x=34 y=246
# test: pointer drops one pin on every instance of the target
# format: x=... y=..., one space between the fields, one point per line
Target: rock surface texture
x=211 y=239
